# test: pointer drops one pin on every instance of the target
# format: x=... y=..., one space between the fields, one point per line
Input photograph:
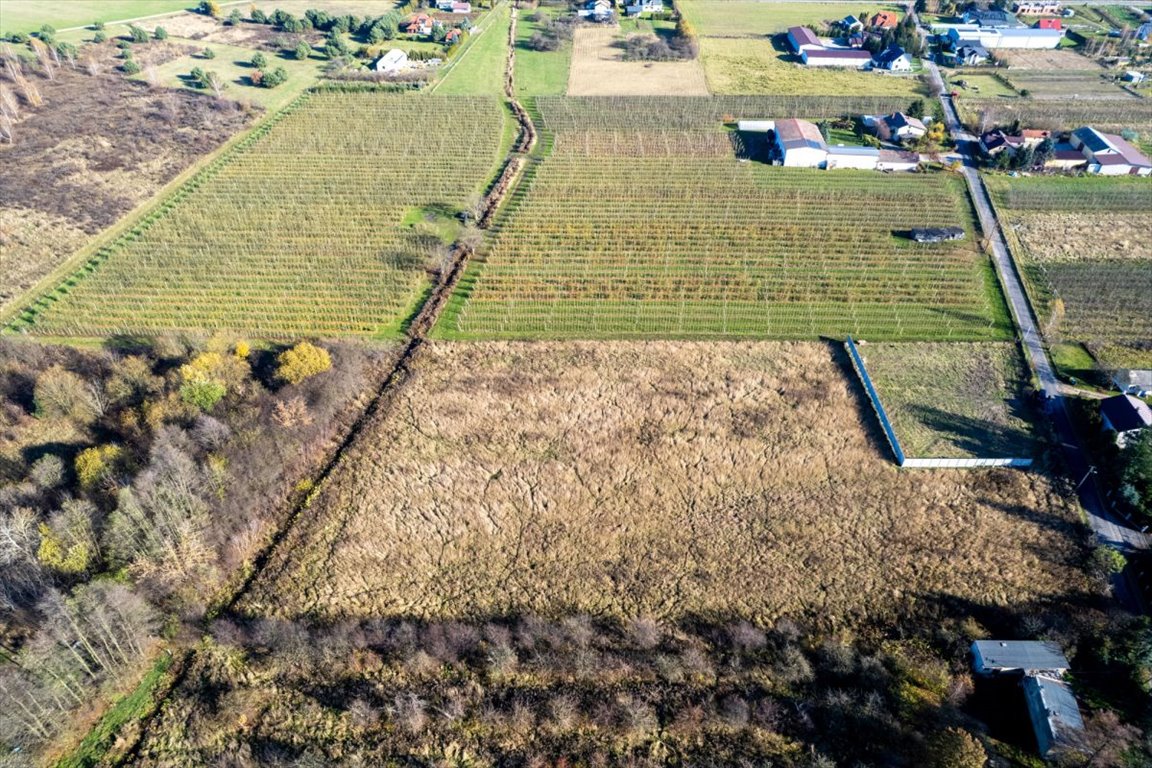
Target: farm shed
x=800 y=144
x=1110 y=155
x=1133 y=382
x=894 y=59
x=991 y=19
x=836 y=57
x=395 y=60
x=936 y=234
x=1132 y=76
x=896 y=160
x=992 y=657
x=756 y=126
x=861 y=158
x=803 y=39
x=1053 y=710
x=1065 y=158
x=995 y=37
x=1126 y=415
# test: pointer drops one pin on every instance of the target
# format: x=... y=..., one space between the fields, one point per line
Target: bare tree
x=46 y=55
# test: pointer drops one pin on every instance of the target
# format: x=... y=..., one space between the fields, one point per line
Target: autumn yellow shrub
x=302 y=361
x=95 y=465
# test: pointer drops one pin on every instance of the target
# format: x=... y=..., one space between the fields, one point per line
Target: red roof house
x=420 y=24
x=885 y=20
x=1049 y=24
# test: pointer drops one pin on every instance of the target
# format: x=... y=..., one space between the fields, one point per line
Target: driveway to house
x=1110 y=529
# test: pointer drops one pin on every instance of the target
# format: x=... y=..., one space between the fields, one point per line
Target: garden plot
x=665 y=479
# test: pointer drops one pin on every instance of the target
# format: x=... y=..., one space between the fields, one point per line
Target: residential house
x=453 y=36
x=1049 y=24
x=991 y=18
x=1144 y=32
x=799 y=144
x=995 y=142
x=461 y=7
x=1110 y=155
x=394 y=60
x=420 y=24
x=995 y=657
x=836 y=57
x=901 y=127
x=1126 y=415
x=1038 y=7
x=884 y=20
x=645 y=6
x=597 y=10
x=894 y=59
x=970 y=54
x=1054 y=712
x=1133 y=382
x=802 y=39
x=1132 y=76
x=852 y=24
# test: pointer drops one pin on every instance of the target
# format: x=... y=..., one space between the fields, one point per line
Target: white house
x=1038 y=7
x=461 y=7
x=852 y=24
x=395 y=60
x=836 y=57
x=1110 y=155
x=894 y=59
x=645 y=6
x=902 y=127
x=1126 y=415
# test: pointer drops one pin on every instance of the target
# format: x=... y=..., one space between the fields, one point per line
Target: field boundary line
x=479 y=30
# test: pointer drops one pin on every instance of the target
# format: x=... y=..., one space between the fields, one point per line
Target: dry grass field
x=1058 y=60
x=754 y=18
x=953 y=400
x=1062 y=236
x=598 y=70
x=668 y=479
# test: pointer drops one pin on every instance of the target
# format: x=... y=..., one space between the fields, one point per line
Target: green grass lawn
x=756 y=66
x=29 y=15
x=750 y=18
x=979 y=84
x=540 y=73
x=232 y=63
x=479 y=69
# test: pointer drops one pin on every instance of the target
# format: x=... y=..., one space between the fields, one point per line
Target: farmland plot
x=598 y=69
x=676 y=238
x=300 y=231
x=1085 y=242
x=953 y=400
x=666 y=479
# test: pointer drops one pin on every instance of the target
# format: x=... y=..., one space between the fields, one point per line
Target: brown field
x=598 y=70
x=668 y=479
x=98 y=147
x=1062 y=236
x=1048 y=60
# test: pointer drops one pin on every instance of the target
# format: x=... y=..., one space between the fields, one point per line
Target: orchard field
x=306 y=228
x=664 y=233
x=1085 y=253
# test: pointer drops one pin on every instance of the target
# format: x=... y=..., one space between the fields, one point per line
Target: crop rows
x=299 y=231
x=604 y=246
x=690 y=113
x=1060 y=115
x=1058 y=193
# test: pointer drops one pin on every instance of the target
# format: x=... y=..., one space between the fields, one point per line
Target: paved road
x=1110 y=529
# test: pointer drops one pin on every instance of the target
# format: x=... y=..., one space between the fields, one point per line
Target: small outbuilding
x=1054 y=712
x=992 y=657
x=860 y=158
x=1126 y=415
x=803 y=39
x=395 y=60
x=1133 y=382
x=938 y=235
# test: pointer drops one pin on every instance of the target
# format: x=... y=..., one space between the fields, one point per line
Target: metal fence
x=901 y=460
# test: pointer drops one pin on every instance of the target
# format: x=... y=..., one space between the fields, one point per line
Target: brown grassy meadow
x=665 y=479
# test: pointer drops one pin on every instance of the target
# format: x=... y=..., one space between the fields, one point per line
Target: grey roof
x=1091 y=138
x=855 y=151
x=1053 y=709
x=839 y=53
x=1020 y=654
x=1126 y=412
x=993 y=18
x=1129 y=377
x=971 y=48
x=890 y=55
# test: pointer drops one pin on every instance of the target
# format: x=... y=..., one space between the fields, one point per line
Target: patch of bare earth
x=675 y=479
x=1062 y=236
x=1047 y=60
x=598 y=69
x=97 y=147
